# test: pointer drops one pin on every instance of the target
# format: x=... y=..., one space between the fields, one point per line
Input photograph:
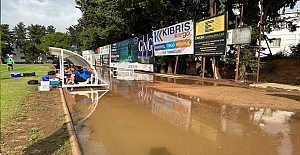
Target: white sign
x=89 y=56
x=239 y=36
x=105 y=49
x=174 y=40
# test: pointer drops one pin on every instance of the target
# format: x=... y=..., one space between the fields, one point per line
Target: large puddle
x=132 y=119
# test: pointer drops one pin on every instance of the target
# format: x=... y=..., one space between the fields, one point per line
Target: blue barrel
x=45 y=78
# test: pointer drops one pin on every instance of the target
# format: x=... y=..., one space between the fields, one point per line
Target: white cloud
x=59 y=13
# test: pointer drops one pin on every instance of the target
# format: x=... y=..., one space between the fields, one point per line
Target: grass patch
x=21 y=104
x=15 y=90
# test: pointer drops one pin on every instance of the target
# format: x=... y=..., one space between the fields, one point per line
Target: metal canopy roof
x=77 y=60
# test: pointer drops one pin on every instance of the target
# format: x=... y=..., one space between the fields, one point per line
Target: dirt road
x=236 y=94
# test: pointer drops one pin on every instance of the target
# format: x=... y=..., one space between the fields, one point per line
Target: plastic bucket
x=45 y=78
x=15 y=75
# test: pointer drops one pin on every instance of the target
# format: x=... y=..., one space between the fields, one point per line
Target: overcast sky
x=59 y=13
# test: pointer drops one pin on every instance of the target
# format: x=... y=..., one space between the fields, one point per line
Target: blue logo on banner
x=170 y=45
x=160 y=47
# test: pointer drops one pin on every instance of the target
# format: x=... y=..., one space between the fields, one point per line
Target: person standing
x=10 y=64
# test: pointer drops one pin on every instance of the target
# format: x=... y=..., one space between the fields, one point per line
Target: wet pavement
x=133 y=119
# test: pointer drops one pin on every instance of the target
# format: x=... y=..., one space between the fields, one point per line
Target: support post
x=203 y=66
x=176 y=65
x=239 y=47
x=259 y=46
x=214 y=57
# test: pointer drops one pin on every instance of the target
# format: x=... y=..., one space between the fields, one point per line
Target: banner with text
x=174 y=40
x=125 y=51
x=105 y=52
x=145 y=48
x=210 y=36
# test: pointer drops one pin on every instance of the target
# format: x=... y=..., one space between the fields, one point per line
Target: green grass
x=15 y=90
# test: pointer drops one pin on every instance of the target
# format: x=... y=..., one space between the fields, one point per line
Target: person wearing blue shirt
x=79 y=77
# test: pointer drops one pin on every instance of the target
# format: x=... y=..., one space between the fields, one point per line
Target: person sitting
x=68 y=73
x=80 y=77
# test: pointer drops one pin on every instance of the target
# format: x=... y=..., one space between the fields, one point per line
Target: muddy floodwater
x=131 y=119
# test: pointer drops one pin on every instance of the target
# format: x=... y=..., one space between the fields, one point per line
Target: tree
x=35 y=33
x=6 y=42
x=57 y=39
x=50 y=29
x=295 y=51
x=19 y=36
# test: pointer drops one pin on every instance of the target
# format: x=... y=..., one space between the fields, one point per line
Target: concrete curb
x=71 y=131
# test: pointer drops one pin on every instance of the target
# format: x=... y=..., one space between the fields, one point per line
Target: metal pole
x=259 y=46
x=214 y=58
x=203 y=66
x=239 y=48
x=176 y=56
x=175 y=65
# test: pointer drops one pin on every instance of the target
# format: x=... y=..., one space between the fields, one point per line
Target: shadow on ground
x=50 y=144
x=293 y=97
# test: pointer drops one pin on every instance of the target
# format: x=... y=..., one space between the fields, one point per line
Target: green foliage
x=295 y=51
x=50 y=29
x=6 y=42
x=57 y=39
x=248 y=62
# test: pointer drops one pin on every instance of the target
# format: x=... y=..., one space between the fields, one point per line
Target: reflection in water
x=135 y=119
x=171 y=108
x=275 y=122
x=89 y=99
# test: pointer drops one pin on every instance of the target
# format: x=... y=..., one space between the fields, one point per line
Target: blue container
x=45 y=78
x=54 y=82
x=15 y=75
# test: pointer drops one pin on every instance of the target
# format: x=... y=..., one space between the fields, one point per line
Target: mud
x=174 y=116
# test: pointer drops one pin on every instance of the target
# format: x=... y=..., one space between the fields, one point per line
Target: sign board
x=239 y=36
x=145 y=48
x=125 y=51
x=174 y=40
x=89 y=56
x=210 y=36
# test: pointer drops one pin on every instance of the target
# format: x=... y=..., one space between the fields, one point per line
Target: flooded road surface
x=131 y=119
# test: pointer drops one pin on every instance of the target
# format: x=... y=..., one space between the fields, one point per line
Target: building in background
x=282 y=38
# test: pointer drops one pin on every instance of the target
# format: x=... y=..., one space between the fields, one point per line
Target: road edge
x=71 y=131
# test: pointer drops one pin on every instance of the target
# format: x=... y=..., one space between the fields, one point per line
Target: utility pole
x=239 y=46
x=214 y=57
x=259 y=46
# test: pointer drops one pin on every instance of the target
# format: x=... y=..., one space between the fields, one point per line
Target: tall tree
x=35 y=33
x=50 y=29
x=57 y=39
x=20 y=35
x=6 y=42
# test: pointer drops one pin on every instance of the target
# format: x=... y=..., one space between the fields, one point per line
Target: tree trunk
x=162 y=69
x=215 y=68
x=170 y=69
x=211 y=7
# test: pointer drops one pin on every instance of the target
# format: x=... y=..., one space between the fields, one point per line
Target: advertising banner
x=210 y=36
x=98 y=60
x=105 y=52
x=174 y=40
x=105 y=49
x=145 y=48
x=89 y=56
x=125 y=51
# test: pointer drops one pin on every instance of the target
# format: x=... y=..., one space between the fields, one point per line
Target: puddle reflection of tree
x=293 y=97
x=159 y=151
x=49 y=144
